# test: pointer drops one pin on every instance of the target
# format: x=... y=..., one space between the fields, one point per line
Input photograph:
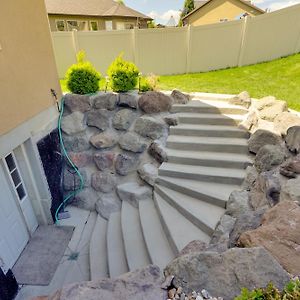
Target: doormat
x=42 y=255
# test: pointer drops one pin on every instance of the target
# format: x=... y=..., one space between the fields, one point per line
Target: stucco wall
x=27 y=65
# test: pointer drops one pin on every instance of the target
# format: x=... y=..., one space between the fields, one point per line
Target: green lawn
x=279 y=78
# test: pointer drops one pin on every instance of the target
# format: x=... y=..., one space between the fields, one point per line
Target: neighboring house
x=214 y=11
x=93 y=15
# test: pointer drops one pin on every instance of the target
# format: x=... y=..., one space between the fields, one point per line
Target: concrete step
x=98 y=250
x=135 y=246
x=209 y=119
x=202 y=214
x=208 y=131
x=211 y=96
x=179 y=230
x=215 y=144
x=117 y=263
x=157 y=243
x=209 y=159
x=211 y=107
x=207 y=174
x=214 y=193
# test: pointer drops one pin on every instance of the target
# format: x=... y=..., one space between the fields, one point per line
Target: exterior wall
x=214 y=11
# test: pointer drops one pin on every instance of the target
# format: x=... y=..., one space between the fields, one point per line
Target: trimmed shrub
x=82 y=78
x=123 y=75
x=149 y=83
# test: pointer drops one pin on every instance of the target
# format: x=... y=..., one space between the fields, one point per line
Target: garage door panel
x=6 y=253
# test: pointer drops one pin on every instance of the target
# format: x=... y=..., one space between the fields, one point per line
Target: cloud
x=282 y=4
x=165 y=17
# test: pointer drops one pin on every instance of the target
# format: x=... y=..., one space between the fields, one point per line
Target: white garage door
x=13 y=232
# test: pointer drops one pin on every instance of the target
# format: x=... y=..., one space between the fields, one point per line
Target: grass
x=279 y=78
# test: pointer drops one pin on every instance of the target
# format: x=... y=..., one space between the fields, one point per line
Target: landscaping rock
x=226 y=273
x=269 y=108
x=224 y=228
x=250 y=178
x=99 y=119
x=81 y=159
x=157 y=150
x=126 y=164
x=238 y=203
x=128 y=100
x=268 y=157
x=104 y=160
x=171 y=120
x=103 y=182
x=284 y=121
x=104 y=140
x=123 y=119
x=155 y=102
x=73 y=123
x=250 y=122
x=279 y=234
x=179 y=97
x=291 y=190
x=149 y=127
x=75 y=102
x=108 y=204
x=242 y=99
x=132 y=142
x=77 y=143
x=291 y=168
x=261 y=138
x=149 y=173
x=105 y=101
x=86 y=199
x=192 y=247
x=72 y=181
x=292 y=139
x=133 y=193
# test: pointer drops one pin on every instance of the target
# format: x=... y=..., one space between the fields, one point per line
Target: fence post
x=75 y=41
x=297 y=47
x=243 y=39
x=188 y=51
x=134 y=50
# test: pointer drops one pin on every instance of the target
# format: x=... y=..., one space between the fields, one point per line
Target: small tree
x=188 y=6
x=151 y=24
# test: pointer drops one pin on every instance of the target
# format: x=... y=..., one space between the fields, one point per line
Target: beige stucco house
x=215 y=11
x=93 y=15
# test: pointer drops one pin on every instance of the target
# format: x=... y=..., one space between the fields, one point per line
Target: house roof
x=107 y=8
x=200 y=5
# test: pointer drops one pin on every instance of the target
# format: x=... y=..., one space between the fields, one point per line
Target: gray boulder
x=291 y=190
x=72 y=181
x=104 y=140
x=226 y=273
x=73 y=123
x=86 y=199
x=284 y=121
x=128 y=100
x=269 y=108
x=126 y=164
x=242 y=99
x=103 y=182
x=77 y=143
x=157 y=151
x=149 y=173
x=250 y=178
x=98 y=118
x=179 y=97
x=75 y=102
x=80 y=159
x=104 y=160
x=123 y=119
x=150 y=127
x=171 y=120
x=132 y=142
x=292 y=139
x=105 y=100
x=108 y=204
x=291 y=167
x=261 y=138
x=155 y=102
x=238 y=203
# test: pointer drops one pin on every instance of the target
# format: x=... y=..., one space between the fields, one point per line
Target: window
x=72 y=25
x=93 y=25
x=60 y=25
x=129 y=26
x=108 y=25
x=77 y=25
x=15 y=176
x=120 y=26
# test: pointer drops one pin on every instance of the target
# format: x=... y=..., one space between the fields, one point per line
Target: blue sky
x=161 y=10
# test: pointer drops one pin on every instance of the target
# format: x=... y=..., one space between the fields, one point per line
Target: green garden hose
x=65 y=154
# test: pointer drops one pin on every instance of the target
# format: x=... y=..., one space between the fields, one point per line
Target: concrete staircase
x=207 y=155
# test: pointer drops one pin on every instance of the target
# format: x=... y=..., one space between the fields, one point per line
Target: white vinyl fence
x=188 y=49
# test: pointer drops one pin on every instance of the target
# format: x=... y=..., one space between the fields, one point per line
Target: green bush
x=149 y=83
x=82 y=78
x=123 y=75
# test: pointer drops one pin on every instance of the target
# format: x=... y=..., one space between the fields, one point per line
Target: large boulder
x=171 y=120
x=242 y=99
x=105 y=100
x=250 y=178
x=98 y=118
x=150 y=127
x=72 y=181
x=291 y=168
x=80 y=159
x=104 y=140
x=128 y=100
x=261 y=138
x=238 y=203
x=291 y=190
x=149 y=173
x=76 y=143
x=292 y=139
x=284 y=121
x=158 y=152
x=251 y=121
x=75 y=102
x=133 y=142
x=155 y=102
x=104 y=160
x=107 y=204
x=179 y=97
x=226 y=273
x=279 y=234
x=73 y=123
x=104 y=182
x=269 y=108
x=123 y=119
x=126 y=164
x=86 y=199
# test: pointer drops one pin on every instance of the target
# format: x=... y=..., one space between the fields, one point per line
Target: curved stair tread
x=216 y=115
x=98 y=250
x=157 y=243
x=180 y=231
x=117 y=263
x=135 y=246
x=208 y=140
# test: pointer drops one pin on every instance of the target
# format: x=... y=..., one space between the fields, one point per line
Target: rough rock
x=123 y=119
x=269 y=108
x=157 y=151
x=279 y=234
x=250 y=122
x=81 y=159
x=292 y=139
x=104 y=160
x=242 y=99
x=250 y=178
x=105 y=100
x=268 y=157
x=86 y=199
x=133 y=193
x=155 y=102
x=193 y=246
x=149 y=173
x=128 y=100
x=226 y=273
x=104 y=140
x=72 y=181
x=291 y=190
x=77 y=143
x=108 y=204
x=171 y=120
x=131 y=141
x=149 y=127
x=75 y=102
x=126 y=164
x=291 y=168
x=103 y=182
x=73 y=123
x=261 y=138
x=140 y=284
x=238 y=203
x=284 y=121
x=98 y=118
x=180 y=98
